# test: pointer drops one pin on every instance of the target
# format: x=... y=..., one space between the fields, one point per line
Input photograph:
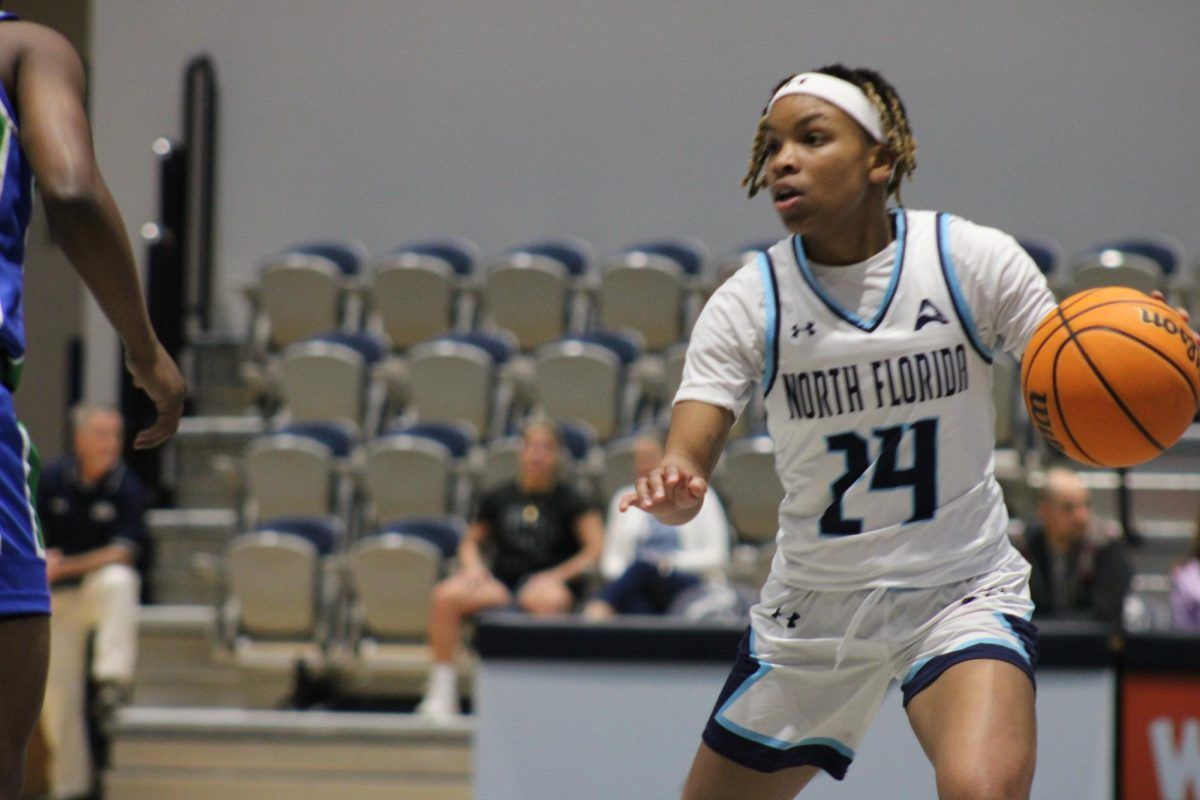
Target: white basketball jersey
x=883 y=427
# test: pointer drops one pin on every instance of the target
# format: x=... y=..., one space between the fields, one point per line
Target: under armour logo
x=792 y=619
x=778 y=611
x=928 y=313
x=808 y=328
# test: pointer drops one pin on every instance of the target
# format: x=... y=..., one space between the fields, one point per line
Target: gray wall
x=507 y=120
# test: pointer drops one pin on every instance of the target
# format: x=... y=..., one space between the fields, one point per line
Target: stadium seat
x=302 y=291
x=417 y=469
x=748 y=483
x=1046 y=253
x=648 y=288
x=295 y=472
x=1146 y=264
x=581 y=379
x=330 y=378
x=276 y=587
x=618 y=466
x=533 y=290
x=391 y=574
x=420 y=290
x=733 y=261
x=455 y=378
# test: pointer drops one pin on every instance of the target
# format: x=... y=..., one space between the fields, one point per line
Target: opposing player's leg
x=24 y=655
x=976 y=723
x=714 y=777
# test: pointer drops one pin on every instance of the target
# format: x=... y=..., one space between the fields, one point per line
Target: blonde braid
x=758 y=157
x=899 y=141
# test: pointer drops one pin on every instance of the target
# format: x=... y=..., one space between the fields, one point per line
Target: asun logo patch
x=928 y=313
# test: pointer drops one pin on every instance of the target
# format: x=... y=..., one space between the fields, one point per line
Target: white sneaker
x=438 y=707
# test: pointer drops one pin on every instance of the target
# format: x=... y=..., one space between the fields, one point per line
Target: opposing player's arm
x=83 y=218
x=674 y=490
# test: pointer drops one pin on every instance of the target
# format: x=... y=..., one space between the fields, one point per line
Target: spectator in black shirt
x=544 y=536
x=91 y=509
x=1080 y=564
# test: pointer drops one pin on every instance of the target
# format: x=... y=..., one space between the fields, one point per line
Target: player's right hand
x=160 y=378
x=666 y=490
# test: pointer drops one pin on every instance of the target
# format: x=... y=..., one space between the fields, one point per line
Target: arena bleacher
x=319 y=503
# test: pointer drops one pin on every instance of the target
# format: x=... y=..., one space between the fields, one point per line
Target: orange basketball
x=1111 y=377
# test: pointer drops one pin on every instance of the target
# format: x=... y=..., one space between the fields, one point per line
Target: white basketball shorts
x=813 y=666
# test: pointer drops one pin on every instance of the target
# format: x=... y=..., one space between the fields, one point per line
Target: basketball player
x=873 y=332
x=45 y=137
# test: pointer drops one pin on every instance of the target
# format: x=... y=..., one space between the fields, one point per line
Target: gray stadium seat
x=648 y=288
x=747 y=481
x=414 y=471
x=302 y=291
x=275 y=590
x=456 y=379
x=293 y=473
x=330 y=378
x=581 y=380
x=415 y=292
x=391 y=575
x=532 y=290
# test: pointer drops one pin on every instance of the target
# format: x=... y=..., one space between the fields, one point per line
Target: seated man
x=91 y=511
x=1080 y=565
x=543 y=535
x=649 y=564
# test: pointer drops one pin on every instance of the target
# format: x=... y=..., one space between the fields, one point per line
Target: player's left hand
x=160 y=378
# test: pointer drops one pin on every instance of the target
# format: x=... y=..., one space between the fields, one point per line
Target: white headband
x=843 y=94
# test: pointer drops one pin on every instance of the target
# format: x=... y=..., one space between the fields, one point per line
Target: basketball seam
x=1152 y=349
x=1058 y=402
x=1104 y=382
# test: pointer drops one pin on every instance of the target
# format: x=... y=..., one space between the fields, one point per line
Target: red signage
x=1160 y=737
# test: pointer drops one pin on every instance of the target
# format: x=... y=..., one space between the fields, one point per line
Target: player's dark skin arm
x=42 y=71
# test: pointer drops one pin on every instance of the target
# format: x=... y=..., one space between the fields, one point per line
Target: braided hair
x=891 y=111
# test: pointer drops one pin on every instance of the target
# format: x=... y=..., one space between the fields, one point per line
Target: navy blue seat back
x=1045 y=257
x=576 y=439
x=689 y=256
x=455 y=439
x=322 y=533
x=625 y=347
x=1163 y=255
x=499 y=348
x=333 y=435
x=344 y=256
x=366 y=345
x=443 y=533
x=459 y=254
x=571 y=255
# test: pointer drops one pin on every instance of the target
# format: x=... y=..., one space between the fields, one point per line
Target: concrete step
x=222 y=753
x=179 y=536
x=203 y=459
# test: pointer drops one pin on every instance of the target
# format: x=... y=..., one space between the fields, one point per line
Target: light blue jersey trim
x=771 y=305
x=1007 y=624
x=956 y=295
x=832 y=303
x=1019 y=647
x=763 y=739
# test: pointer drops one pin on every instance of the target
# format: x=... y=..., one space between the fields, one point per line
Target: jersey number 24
x=920 y=478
